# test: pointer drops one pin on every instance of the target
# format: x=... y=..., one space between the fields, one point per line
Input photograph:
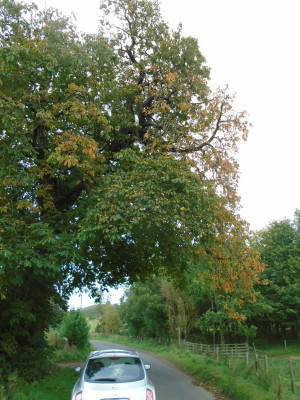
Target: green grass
x=231 y=377
x=70 y=354
x=281 y=351
x=57 y=386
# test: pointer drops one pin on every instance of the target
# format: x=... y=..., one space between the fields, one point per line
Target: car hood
x=99 y=391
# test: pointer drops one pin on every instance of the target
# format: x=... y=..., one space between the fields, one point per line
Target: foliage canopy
x=117 y=160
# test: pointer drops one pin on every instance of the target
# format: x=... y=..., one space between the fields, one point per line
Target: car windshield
x=114 y=369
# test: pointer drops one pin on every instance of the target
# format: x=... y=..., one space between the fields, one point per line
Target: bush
x=53 y=339
x=75 y=328
x=32 y=361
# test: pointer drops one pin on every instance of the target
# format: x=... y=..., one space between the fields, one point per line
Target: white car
x=113 y=375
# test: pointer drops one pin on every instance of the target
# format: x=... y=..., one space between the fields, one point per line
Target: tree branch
x=206 y=143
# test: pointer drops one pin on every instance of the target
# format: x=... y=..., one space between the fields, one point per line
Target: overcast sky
x=253 y=46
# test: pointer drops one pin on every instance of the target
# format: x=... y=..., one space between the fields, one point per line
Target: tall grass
x=70 y=354
x=57 y=386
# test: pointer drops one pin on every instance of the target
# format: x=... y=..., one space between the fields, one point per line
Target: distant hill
x=93 y=312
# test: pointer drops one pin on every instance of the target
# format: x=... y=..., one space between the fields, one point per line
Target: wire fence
x=282 y=374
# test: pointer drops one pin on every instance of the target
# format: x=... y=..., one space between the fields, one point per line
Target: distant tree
x=279 y=245
x=144 y=310
x=223 y=310
x=109 y=322
x=224 y=278
x=182 y=311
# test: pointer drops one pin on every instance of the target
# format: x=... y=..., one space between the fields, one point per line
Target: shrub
x=75 y=328
x=53 y=339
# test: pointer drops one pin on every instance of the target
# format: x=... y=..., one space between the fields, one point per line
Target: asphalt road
x=169 y=381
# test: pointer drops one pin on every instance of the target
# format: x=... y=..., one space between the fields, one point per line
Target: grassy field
x=291 y=350
x=231 y=377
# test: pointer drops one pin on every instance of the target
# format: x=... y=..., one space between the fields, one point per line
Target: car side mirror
x=77 y=369
x=147 y=366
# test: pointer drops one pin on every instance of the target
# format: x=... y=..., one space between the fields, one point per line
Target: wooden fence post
x=266 y=364
x=292 y=376
x=247 y=358
x=256 y=361
x=279 y=390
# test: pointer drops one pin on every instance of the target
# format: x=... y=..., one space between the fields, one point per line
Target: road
x=169 y=381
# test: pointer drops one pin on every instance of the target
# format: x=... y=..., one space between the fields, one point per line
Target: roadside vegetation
x=232 y=378
x=68 y=343
x=56 y=386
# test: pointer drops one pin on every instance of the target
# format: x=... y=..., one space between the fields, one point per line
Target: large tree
x=117 y=160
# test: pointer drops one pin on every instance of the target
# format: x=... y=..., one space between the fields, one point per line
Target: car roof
x=113 y=352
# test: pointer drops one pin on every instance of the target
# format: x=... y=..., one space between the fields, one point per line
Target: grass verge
x=231 y=377
x=70 y=354
x=56 y=386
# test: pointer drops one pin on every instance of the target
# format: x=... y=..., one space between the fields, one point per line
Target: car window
x=114 y=369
